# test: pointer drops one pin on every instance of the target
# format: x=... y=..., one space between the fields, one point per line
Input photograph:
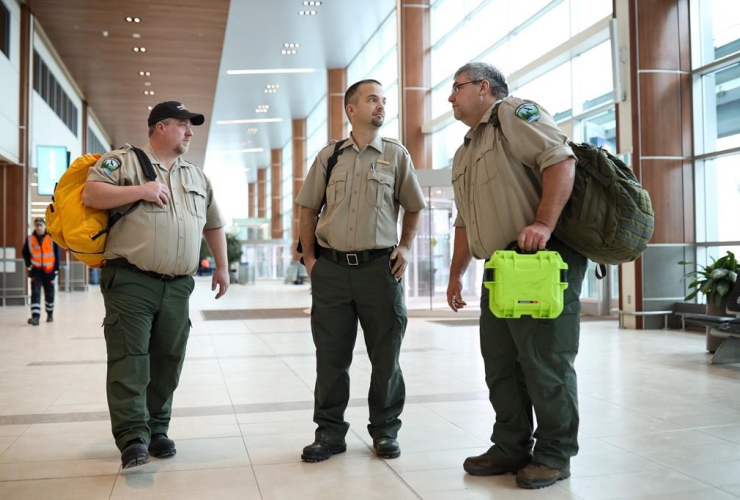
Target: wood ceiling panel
x=184 y=41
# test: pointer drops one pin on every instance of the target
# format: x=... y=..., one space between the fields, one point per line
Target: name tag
x=383 y=162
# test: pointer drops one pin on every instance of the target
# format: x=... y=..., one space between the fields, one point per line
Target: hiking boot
x=50 y=318
x=386 y=447
x=33 y=321
x=318 y=451
x=134 y=454
x=162 y=446
x=535 y=476
x=486 y=465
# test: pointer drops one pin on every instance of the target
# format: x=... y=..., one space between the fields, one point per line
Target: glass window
x=719 y=28
x=721 y=93
x=552 y=90
x=585 y=13
x=521 y=11
x=592 y=77
x=445 y=143
x=527 y=45
x=600 y=130
x=718 y=192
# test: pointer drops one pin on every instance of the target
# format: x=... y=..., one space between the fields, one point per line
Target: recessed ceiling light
x=148 y=92
x=136 y=35
x=250 y=120
x=150 y=108
x=105 y=33
x=144 y=73
x=129 y=19
x=137 y=20
x=268 y=71
x=139 y=49
x=306 y=12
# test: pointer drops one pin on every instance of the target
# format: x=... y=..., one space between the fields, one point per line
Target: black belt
x=354 y=258
x=124 y=264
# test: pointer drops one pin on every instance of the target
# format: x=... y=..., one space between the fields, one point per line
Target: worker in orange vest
x=42 y=258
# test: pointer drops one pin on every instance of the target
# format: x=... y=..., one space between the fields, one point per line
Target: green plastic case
x=526 y=284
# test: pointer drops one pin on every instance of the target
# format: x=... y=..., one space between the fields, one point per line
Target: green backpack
x=609 y=217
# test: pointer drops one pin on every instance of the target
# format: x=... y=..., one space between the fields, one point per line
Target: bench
x=622 y=314
x=726 y=327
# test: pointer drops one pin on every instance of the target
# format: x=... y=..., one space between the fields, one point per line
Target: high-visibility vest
x=42 y=255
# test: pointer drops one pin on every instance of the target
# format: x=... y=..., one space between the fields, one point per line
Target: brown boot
x=486 y=465
x=535 y=476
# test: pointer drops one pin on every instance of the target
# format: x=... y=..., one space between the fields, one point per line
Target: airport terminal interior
x=654 y=82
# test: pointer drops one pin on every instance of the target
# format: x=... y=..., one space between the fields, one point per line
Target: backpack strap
x=149 y=173
x=330 y=164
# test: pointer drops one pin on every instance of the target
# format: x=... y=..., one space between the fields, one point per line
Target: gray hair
x=480 y=71
x=153 y=128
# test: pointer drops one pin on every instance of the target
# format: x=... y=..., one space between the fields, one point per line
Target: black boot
x=34 y=320
x=50 y=317
x=318 y=451
x=162 y=446
x=134 y=454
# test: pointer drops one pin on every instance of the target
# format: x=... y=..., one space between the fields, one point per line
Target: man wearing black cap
x=42 y=258
x=150 y=257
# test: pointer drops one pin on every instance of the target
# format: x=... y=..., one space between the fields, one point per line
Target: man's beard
x=180 y=149
x=377 y=122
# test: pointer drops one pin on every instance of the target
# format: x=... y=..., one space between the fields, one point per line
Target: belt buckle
x=352 y=259
x=168 y=277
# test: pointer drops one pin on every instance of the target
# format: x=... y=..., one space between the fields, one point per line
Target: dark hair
x=480 y=71
x=354 y=89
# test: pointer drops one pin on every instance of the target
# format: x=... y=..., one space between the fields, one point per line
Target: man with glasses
x=512 y=177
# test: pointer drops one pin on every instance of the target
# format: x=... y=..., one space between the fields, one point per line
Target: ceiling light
x=129 y=19
x=135 y=49
x=139 y=49
x=137 y=20
x=149 y=108
x=148 y=92
x=268 y=71
x=141 y=73
x=252 y=120
x=251 y=131
x=105 y=33
x=136 y=35
x=143 y=49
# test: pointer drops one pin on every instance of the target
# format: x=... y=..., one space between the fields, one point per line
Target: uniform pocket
x=336 y=188
x=379 y=185
x=195 y=200
x=486 y=166
x=107 y=277
x=114 y=341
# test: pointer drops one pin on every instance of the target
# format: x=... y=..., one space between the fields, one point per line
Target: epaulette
x=396 y=142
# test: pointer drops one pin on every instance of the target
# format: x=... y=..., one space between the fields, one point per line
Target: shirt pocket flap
x=381 y=177
x=337 y=177
x=190 y=188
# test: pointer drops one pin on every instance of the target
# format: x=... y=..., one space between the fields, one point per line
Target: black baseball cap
x=173 y=109
x=39 y=220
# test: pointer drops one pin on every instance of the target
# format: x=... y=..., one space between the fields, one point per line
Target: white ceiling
x=255 y=33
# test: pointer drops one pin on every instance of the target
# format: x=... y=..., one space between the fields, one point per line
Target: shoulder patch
x=528 y=112
x=110 y=164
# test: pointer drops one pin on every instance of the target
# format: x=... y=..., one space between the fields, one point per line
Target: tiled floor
x=657 y=421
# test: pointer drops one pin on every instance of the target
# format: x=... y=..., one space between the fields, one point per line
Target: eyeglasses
x=456 y=86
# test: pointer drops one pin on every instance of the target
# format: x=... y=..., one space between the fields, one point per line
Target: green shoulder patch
x=110 y=164
x=528 y=112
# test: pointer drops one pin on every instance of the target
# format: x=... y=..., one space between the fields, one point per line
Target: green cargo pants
x=341 y=295
x=529 y=364
x=146 y=330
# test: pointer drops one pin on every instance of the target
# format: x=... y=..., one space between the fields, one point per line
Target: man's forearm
x=409 y=228
x=461 y=255
x=104 y=196
x=216 y=241
x=307 y=229
x=557 y=185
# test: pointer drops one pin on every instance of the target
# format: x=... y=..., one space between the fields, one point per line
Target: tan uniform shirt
x=495 y=197
x=363 y=195
x=164 y=240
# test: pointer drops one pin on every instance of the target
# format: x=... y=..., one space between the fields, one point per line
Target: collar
x=149 y=150
x=483 y=121
x=376 y=143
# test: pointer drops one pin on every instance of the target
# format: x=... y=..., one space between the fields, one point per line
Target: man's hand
x=220 y=278
x=156 y=192
x=400 y=255
x=309 y=261
x=454 y=294
x=534 y=237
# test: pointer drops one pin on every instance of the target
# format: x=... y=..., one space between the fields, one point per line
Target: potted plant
x=233 y=255
x=715 y=281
